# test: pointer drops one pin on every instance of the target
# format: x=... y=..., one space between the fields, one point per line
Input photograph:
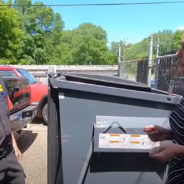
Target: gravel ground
x=33 y=144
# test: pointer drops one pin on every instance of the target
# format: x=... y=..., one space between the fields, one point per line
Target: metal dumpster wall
x=77 y=114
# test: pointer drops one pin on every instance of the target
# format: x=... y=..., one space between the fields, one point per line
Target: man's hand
x=165 y=152
x=157 y=133
x=17 y=150
x=18 y=153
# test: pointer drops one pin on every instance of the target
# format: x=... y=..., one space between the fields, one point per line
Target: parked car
x=21 y=111
x=39 y=91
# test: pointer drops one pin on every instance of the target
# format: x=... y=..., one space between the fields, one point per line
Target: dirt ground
x=33 y=144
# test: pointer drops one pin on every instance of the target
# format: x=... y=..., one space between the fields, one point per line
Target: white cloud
x=180 y=28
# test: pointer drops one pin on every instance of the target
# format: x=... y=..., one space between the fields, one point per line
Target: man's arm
x=17 y=150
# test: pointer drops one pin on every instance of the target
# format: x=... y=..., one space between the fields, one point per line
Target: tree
x=177 y=39
x=46 y=42
x=90 y=45
x=25 y=4
x=166 y=38
x=10 y=34
x=169 y=42
x=42 y=27
x=53 y=42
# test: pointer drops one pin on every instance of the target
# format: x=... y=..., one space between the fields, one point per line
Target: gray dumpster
x=86 y=113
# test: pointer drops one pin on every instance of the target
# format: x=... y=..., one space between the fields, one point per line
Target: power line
x=103 y=4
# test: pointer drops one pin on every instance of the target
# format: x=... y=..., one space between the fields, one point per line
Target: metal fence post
x=150 y=60
x=119 y=60
x=156 y=71
x=157 y=63
x=158 y=47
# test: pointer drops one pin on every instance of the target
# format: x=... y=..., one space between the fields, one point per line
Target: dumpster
x=95 y=130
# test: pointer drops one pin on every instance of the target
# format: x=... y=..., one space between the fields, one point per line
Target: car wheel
x=45 y=114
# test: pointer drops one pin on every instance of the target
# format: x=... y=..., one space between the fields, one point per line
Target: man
x=11 y=171
x=180 y=56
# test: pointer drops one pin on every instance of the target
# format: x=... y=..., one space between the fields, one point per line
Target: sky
x=129 y=23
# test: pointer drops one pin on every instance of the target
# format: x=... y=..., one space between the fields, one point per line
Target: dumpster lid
x=110 y=85
x=110 y=81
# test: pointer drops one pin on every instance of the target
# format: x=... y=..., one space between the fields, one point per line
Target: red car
x=39 y=91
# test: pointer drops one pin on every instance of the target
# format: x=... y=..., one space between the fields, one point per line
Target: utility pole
x=150 y=59
x=124 y=47
x=157 y=62
x=119 y=60
x=123 y=59
x=158 y=47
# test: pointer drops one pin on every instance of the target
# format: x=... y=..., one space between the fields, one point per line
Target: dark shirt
x=5 y=129
x=176 y=164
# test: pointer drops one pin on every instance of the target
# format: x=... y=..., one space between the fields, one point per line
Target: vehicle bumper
x=20 y=119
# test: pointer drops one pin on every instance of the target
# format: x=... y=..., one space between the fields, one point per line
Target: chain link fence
x=169 y=74
x=136 y=70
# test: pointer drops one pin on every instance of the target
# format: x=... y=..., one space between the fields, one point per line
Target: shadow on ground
x=26 y=139
x=37 y=120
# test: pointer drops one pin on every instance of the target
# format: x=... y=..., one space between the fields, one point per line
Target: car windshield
x=26 y=74
x=7 y=73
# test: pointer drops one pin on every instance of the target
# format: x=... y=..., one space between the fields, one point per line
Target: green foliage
x=166 y=38
x=10 y=35
x=83 y=45
x=170 y=42
x=24 y=6
x=89 y=45
x=42 y=27
x=35 y=35
x=177 y=39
